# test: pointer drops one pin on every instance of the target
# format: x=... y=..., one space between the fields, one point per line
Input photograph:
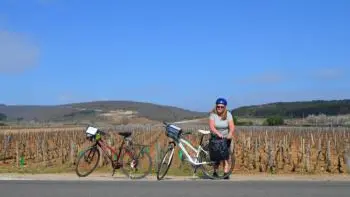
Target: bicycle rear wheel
x=165 y=162
x=136 y=165
x=88 y=156
x=213 y=170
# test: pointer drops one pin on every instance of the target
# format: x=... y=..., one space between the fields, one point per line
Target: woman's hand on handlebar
x=220 y=135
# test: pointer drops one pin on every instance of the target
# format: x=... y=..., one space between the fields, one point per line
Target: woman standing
x=221 y=125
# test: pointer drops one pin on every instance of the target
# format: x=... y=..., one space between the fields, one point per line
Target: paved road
x=167 y=188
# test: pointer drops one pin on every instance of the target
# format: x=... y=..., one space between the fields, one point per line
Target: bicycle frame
x=104 y=147
x=182 y=143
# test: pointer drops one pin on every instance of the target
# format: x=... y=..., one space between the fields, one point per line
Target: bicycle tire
x=233 y=160
x=81 y=156
x=149 y=169
x=169 y=150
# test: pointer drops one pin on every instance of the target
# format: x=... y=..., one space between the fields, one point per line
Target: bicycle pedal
x=116 y=165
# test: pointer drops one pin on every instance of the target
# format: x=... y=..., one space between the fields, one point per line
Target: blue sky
x=181 y=53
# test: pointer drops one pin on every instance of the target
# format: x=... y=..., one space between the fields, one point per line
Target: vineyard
x=256 y=149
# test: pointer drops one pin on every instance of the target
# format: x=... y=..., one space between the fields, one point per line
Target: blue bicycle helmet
x=221 y=101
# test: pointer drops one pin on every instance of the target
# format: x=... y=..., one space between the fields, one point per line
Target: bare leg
x=226 y=166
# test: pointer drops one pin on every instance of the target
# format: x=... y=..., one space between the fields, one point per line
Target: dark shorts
x=229 y=143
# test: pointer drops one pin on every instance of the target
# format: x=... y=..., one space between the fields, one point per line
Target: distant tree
x=274 y=121
x=295 y=109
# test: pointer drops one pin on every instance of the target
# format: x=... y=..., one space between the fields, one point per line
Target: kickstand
x=194 y=171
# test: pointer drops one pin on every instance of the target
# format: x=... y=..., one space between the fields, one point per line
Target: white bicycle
x=200 y=158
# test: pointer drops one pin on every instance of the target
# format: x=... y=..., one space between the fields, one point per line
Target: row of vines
x=256 y=149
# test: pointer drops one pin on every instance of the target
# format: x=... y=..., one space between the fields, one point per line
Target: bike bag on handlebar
x=173 y=132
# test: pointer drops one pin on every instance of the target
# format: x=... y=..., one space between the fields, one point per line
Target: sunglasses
x=220 y=107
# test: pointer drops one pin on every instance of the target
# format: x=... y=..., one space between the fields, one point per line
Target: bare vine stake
x=328 y=156
x=242 y=153
x=6 y=144
x=143 y=139
x=17 y=154
x=248 y=151
x=335 y=139
x=319 y=147
x=347 y=156
x=270 y=153
x=249 y=147
x=62 y=151
x=72 y=151
x=43 y=148
x=256 y=154
x=27 y=149
x=308 y=151
x=37 y=146
x=149 y=132
x=244 y=140
x=301 y=147
x=303 y=152
x=266 y=142
x=280 y=153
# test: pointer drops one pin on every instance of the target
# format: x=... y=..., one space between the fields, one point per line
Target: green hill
x=116 y=111
x=97 y=110
x=295 y=109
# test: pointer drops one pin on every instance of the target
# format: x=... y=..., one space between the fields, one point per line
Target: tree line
x=295 y=109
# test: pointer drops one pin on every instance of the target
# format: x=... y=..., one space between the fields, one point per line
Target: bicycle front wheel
x=165 y=163
x=90 y=156
x=136 y=165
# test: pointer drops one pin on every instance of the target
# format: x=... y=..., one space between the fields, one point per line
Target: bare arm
x=231 y=127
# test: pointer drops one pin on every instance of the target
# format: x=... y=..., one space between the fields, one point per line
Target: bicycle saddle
x=125 y=134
